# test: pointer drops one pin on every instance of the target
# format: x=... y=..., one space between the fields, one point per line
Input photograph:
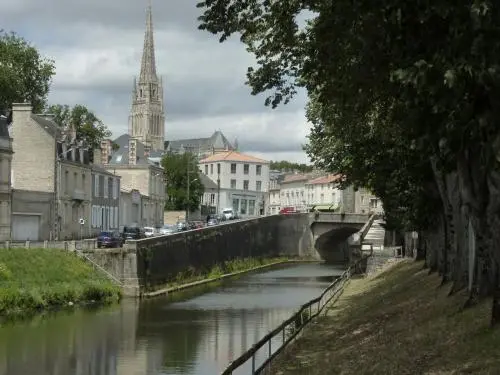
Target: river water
x=198 y=332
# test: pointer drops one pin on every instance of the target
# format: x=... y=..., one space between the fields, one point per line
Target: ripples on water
x=198 y=332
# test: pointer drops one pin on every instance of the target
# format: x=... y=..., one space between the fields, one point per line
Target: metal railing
x=290 y=328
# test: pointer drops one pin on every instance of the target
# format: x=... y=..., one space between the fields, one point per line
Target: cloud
x=97 y=47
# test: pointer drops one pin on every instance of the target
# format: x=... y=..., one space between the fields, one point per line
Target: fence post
x=270 y=347
x=253 y=364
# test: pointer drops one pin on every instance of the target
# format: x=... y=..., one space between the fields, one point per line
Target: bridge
x=334 y=234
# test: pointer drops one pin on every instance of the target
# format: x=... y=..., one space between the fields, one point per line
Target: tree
x=25 y=75
x=286 y=166
x=176 y=172
x=88 y=126
x=426 y=74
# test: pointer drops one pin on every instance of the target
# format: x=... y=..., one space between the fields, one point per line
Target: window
x=117 y=218
x=211 y=169
x=212 y=199
x=75 y=180
x=66 y=182
x=111 y=218
x=245 y=184
x=233 y=184
x=218 y=168
x=246 y=168
x=206 y=169
x=251 y=207
x=105 y=186
x=83 y=181
x=233 y=168
x=258 y=185
x=116 y=184
x=96 y=185
x=258 y=170
x=322 y=198
x=243 y=207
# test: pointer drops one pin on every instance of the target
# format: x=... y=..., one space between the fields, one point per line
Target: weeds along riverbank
x=32 y=280
x=191 y=277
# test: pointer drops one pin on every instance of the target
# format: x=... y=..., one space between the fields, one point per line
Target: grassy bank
x=36 y=279
x=398 y=322
x=191 y=275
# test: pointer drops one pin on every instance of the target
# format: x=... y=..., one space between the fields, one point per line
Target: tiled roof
x=295 y=178
x=325 y=179
x=232 y=156
x=120 y=156
x=208 y=184
x=99 y=169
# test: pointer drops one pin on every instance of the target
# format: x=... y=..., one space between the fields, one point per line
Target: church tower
x=147 y=117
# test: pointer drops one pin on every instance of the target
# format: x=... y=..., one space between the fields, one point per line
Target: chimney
x=105 y=151
x=132 y=151
x=21 y=112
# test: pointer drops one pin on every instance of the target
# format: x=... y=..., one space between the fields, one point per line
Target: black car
x=109 y=239
x=133 y=233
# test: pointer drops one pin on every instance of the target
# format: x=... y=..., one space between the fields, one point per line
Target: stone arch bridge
x=335 y=234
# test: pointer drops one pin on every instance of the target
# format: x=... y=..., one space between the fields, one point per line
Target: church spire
x=148 y=63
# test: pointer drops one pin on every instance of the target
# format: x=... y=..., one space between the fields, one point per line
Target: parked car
x=168 y=229
x=109 y=239
x=287 y=211
x=149 y=231
x=133 y=233
x=181 y=226
x=228 y=213
x=211 y=222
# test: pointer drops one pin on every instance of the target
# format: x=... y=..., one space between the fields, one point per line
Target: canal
x=196 y=332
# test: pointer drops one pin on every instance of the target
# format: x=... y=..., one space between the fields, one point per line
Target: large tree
x=87 y=125
x=426 y=75
x=25 y=75
x=177 y=167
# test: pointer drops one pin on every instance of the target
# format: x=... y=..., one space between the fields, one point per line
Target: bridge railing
x=275 y=341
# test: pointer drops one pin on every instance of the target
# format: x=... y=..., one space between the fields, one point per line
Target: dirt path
x=398 y=321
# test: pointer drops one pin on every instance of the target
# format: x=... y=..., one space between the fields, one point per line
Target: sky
x=97 y=48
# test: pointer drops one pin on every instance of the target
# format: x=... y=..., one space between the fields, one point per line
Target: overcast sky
x=97 y=47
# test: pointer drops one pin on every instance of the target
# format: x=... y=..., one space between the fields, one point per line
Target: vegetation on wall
x=176 y=173
x=403 y=101
x=32 y=280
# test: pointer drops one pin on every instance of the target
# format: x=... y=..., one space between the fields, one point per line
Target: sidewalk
x=397 y=321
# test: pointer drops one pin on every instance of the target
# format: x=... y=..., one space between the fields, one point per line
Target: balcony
x=78 y=195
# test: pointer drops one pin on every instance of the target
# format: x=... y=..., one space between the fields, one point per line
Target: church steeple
x=147 y=117
x=148 y=63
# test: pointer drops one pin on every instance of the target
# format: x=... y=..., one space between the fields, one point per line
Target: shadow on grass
x=397 y=322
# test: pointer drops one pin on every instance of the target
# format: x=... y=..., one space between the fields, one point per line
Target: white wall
x=323 y=194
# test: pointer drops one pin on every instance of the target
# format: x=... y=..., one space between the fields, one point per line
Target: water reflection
x=196 y=333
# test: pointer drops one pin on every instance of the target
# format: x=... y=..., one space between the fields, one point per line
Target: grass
x=400 y=321
x=32 y=280
x=192 y=275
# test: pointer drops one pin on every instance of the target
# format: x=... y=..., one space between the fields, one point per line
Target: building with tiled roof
x=242 y=180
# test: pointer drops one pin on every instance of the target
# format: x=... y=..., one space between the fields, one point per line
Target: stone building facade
x=5 y=183
x=60 y=169
x=105 y=215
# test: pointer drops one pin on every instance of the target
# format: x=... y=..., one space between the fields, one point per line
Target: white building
x=243 y=181
x=293 y=192
x=324 y=191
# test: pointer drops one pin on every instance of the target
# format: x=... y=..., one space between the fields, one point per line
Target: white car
x=149 y=231
x=228 y=213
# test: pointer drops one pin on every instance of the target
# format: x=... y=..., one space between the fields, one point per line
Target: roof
x=48 y=125
x=120 y=156
x=325 y=179
x=217 y=141
x=208 y=184
x=4 y=129
x=295 y=178
x=232 y=156
x=99 y=169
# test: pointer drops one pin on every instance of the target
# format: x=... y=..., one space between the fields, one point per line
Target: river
x=197 y=332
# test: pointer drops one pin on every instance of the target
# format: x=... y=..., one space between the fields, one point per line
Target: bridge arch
x=331 y=240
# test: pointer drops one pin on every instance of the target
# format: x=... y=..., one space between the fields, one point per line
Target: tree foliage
x=25 y=75
x=176 y=172
x=287 y=166
x=88 y=126
x=403 y=100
